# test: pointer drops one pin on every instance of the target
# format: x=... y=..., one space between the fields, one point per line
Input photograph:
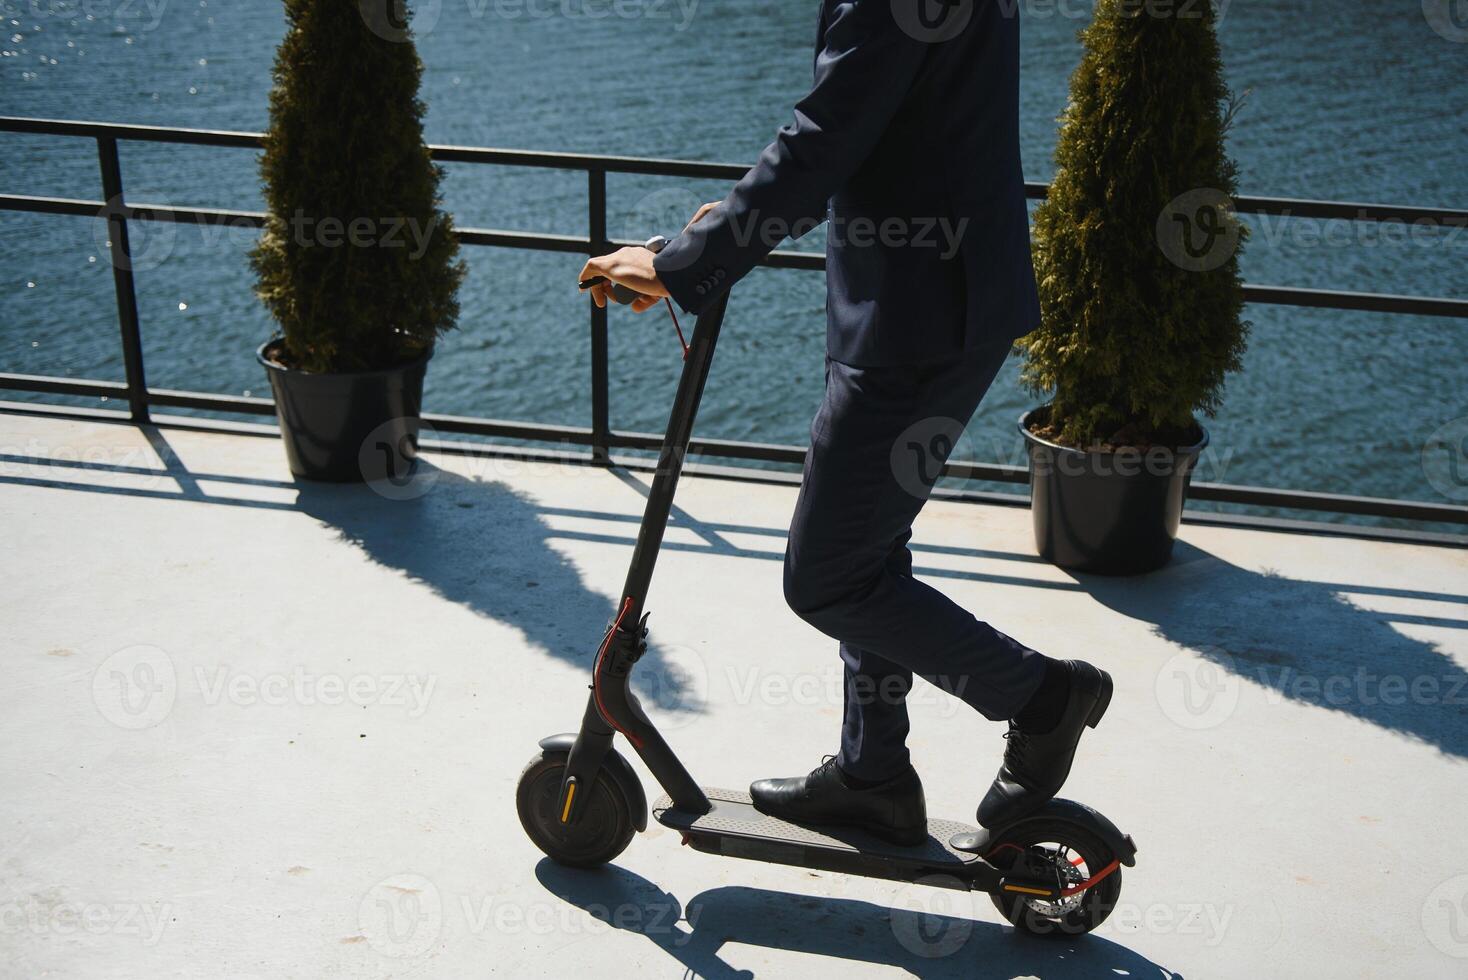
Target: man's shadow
x=1306 y=641
x=485 y=546
x=930 y=944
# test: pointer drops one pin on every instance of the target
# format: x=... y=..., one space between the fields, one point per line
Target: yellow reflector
x=1027 y=891
x=570 y=795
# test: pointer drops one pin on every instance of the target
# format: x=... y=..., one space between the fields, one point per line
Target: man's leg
x=874 y=722
x=876 y=446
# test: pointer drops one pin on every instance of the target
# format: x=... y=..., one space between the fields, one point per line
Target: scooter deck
x=734 y=828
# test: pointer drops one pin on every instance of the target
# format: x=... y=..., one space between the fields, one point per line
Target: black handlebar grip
x=620 y=293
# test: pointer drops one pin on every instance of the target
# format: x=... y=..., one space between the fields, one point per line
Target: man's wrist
x=672 y=264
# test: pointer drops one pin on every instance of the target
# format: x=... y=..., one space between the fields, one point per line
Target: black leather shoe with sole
x=1036 y=764
x=894 y=811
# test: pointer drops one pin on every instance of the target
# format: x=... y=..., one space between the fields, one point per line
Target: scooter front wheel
x=603 y=827
x=1071 y=855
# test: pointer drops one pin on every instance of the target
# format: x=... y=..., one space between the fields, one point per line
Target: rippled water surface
x=1345 y=101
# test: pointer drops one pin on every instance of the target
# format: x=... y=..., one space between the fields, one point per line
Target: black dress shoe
x=1036 y=764
x=894 y=810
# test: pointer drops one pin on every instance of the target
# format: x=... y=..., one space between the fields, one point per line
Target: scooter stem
x=672 y=455
x=612 y=706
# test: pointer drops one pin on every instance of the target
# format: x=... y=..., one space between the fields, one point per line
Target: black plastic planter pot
x=349 y=427
x=1113 y=513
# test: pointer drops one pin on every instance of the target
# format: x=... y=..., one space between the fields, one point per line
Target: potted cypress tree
x=357 y=263
x=1136 y=256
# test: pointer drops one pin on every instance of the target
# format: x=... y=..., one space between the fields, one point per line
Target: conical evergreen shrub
x=357 y=263
x=1136 y=246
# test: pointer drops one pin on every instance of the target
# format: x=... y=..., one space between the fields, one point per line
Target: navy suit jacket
x=908 y=143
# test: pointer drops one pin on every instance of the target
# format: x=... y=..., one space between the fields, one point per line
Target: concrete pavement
x=255 y=729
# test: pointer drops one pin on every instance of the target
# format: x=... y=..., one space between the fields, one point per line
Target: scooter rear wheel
x=1075 y=855
x=602 y=829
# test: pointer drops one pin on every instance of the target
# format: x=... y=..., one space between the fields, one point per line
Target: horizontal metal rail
x=600 y=437
x=1335 y=299
x=654 y=167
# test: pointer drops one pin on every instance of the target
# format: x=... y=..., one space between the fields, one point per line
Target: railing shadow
x=1304 y=641
x=483 y=545
x=931 y=945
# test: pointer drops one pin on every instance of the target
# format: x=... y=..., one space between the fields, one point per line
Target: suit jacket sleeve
x=864 y=70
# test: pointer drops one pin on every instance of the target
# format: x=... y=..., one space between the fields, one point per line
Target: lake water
x=1346 y=101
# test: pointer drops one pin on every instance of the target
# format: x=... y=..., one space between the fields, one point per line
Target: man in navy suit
x=908 y=144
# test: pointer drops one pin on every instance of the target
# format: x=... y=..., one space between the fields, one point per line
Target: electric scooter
x=1055 y=871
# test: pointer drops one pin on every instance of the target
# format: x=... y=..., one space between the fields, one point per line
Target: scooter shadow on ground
x=929 y=945
x=481 y=544
x=1305 y=641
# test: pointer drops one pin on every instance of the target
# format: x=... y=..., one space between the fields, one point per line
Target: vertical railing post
x=601 y=429
x=122 y=278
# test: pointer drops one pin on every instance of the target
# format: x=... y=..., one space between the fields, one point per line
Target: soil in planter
x=1131 y=436
x=275 y=353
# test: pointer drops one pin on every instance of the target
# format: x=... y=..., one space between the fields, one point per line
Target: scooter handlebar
x=623 y=294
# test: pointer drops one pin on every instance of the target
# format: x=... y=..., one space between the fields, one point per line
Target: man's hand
x=631 y=267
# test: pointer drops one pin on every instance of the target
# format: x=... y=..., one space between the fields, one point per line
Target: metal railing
x=600 y=438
